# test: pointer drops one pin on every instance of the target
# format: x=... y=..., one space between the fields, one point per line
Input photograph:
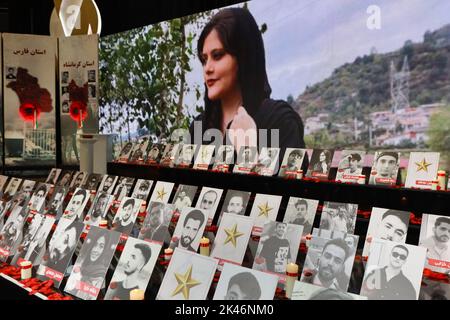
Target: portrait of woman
x=92 y=263
x=237 y=89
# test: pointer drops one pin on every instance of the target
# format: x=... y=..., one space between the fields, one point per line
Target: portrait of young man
x=329 y=266
x=436 y=241
x=76 y=205
x=393 y=271
x=386 y=224
x=126 y=215
x=385 y=168
x=292 y=163
x=189 y=229
x=301 y=211
x=133 y=270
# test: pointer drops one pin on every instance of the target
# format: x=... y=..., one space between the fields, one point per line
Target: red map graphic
x=77 y=93
x=28 y=90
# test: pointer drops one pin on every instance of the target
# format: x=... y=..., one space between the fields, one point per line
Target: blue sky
x=307 y=39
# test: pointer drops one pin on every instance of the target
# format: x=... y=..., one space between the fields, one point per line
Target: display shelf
x=366 y=196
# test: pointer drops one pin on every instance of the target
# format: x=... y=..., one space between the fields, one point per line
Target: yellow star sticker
x=161 y=194
x=185 y=283
x=423 y=165
x=264 y=210
x=232 y=235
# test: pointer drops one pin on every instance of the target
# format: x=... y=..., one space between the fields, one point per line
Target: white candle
x=168 y=254
x=300 y=174
x=291 y=277
x=103 y=224
x=434 y=185
x=204 y=247
x=25 y=269
x=362 y=179
x=137 y=294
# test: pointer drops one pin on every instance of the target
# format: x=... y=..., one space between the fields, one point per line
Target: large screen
x=369 y=74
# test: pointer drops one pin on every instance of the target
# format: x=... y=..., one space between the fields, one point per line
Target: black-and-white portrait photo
x=91 y=75
x=28 y=187
x=139 y=151
x=189 y=229
x=168 y=156
x=53 y=176
x=386 y=224
x=126 y=151
x=186 y=155
x=65 y=92
x=224 y=158
x=267 y=163
x=92 y=90
x=277 y=246
x=76 y=205
x=435 y=236
x=320 y=165
x=108 y=183
x=65 y=77
x=338 y=216
x=126 y=215
x=184 y=196
x=292 y=163
x=88 y=273
x=99 y=208
x=209 y=200
x=60 y=250
x=12 y=187
x=154 y=153
x=385 y=168
x=65 y=178
x=155 y=227
x=37 y=200
x=329 y=260
x=11 y=73
x=3 y=180
x=65 y=107
x=134 y=269
x=92 y=181
x=12 y=232
x=204 y=157
x=239 y=283
x=301 y=211
x=55 y=203
x=142 y=189
x=246 y=159
x=235 y=202
x=393 y=271
x=307 y=291
x=78 y=179
x=123 y=188
x=350 y=166
x=32 y=246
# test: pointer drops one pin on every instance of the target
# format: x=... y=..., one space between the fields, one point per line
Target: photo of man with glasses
x=388 y=280
x=209 y=201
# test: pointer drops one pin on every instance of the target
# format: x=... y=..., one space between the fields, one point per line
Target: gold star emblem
x=185 y=283
x=423 y=165
x=264 y=210
x=232 y=235
x=161 y=194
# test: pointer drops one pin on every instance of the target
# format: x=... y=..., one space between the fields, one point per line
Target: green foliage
x=439 y=132
x=143 y=76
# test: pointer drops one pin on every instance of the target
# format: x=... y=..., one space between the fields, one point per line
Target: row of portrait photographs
x=90 y=76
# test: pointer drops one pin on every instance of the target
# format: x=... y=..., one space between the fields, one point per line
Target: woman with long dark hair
x=237 y=90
